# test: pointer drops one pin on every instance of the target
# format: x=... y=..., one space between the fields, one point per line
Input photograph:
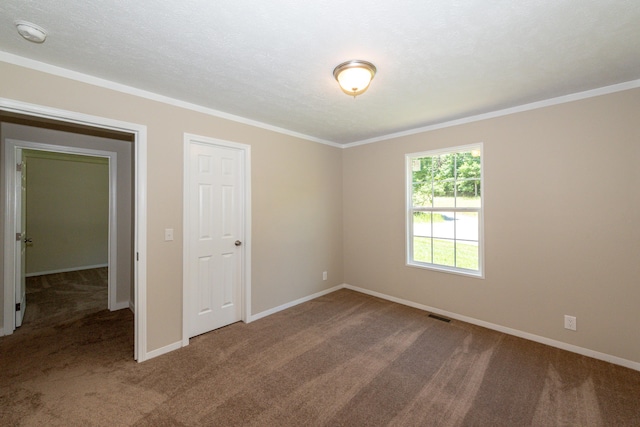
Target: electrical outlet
x=324 y=275
x=570 y=322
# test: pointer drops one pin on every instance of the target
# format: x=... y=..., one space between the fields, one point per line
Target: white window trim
x=409 y=212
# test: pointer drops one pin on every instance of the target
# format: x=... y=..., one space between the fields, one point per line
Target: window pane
x=422 y=249
x=443 y=192
x=421 y=169
x=444 y=167
x=468 y=192
x=467 y=255
x=421 y=164
x=421 y=195
x=443 y=252
x=444 y=180
x=422 y=224
x=468 y=165
x=446 y=201
x=444 y=224
x=467 y=225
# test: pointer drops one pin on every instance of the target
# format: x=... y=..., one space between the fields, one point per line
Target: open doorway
x=126 y=270
x=67 y=215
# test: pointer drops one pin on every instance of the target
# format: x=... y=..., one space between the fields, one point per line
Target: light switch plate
x=168 y=234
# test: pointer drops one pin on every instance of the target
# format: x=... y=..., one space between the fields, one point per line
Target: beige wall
x=296 y=196
x=297 y=221
x=67 y=211
x=562 y=206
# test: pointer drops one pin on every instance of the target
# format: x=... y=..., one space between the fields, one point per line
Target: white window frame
x=410 y=209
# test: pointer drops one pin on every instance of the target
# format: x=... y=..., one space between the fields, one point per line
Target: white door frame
x=245 y=280
x=10 y=250
x=139 y=133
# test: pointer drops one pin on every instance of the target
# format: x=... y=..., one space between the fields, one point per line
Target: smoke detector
x=31 y=32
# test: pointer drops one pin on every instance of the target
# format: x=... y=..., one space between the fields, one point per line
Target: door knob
x=238 y=243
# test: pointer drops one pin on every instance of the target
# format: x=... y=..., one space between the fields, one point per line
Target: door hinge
x=17 y=306
x=18 y=237
x=19 y=167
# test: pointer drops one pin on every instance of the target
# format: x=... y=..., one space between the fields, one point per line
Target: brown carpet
x=345 y=359
x=52 y=298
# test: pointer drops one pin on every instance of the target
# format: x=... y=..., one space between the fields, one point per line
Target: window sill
x=444 y=269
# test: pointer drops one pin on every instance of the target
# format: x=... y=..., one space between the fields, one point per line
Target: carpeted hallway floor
x=345 y=359
x=53 y=298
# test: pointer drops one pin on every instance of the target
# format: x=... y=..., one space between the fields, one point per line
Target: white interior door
x=215 y=251
x=21 y=237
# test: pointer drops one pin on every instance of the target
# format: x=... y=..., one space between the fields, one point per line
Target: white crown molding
x=107 y=84
x=633 y=84
x=129 y=90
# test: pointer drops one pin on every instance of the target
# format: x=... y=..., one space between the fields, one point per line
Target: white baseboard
x=120 y=305
x=132 y=307
x=292 y=303
x=66 y=270
x=531 y=337
x=162 y=350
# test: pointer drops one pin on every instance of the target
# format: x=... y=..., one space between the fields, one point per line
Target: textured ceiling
x=272 y=61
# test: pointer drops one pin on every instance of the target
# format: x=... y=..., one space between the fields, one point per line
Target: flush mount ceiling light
x=354 y=76
x=31 y=32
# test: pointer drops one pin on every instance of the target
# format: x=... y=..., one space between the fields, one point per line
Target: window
x=444 y=210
